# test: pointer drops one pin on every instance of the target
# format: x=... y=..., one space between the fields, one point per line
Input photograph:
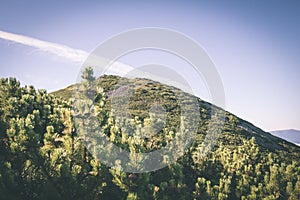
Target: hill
x=290 y=135
x=44 y=153
x=110 y=83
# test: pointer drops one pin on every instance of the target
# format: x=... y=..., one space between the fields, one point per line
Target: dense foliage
x=43 y=153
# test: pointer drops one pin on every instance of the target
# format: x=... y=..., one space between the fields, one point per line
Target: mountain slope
x=110 y=83
x=44 y=154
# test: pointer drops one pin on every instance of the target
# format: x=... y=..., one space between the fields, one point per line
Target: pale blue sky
x=255 y=45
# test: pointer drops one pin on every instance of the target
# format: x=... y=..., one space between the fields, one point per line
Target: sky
x=254 y=45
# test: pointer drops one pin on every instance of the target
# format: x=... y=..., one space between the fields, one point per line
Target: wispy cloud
x=71 y=54
x=74 y=55
x=79 y=56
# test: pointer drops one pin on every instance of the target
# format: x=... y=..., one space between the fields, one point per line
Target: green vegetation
x=43 y=152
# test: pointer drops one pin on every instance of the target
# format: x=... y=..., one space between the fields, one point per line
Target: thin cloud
x=79 y=56
x=71 y=54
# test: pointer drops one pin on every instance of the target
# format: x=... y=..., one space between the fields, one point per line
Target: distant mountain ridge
x=290 y=135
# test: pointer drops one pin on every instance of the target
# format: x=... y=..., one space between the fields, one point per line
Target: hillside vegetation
x=44 y=154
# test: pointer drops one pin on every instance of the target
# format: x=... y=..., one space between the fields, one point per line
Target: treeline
x=44 y=154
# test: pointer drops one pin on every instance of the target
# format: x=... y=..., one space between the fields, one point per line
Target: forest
x=44 y=151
